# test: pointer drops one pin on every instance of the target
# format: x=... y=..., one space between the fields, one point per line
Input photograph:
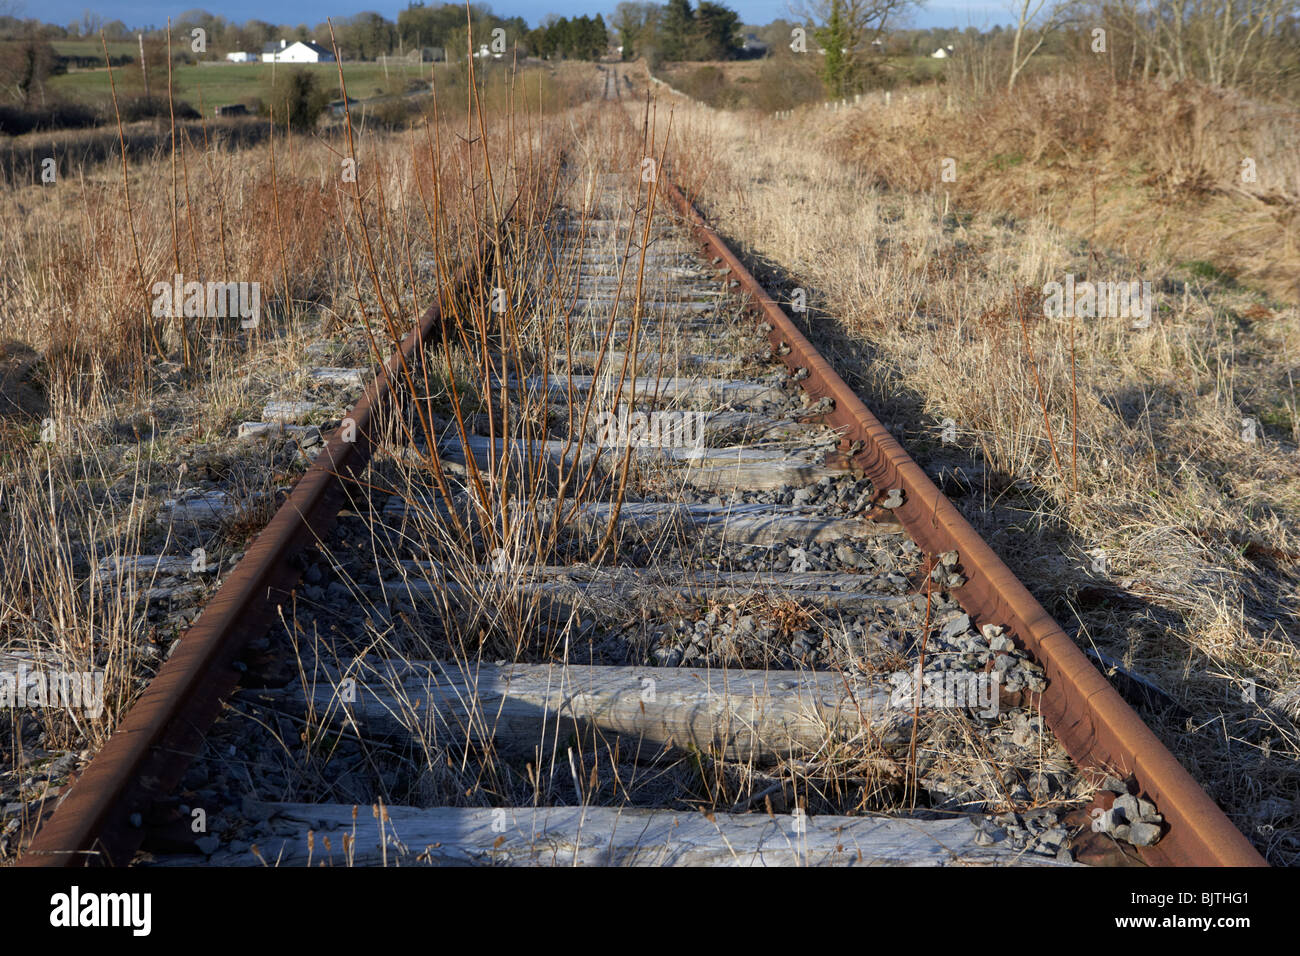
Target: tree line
x=582 y=38
x=1253 y=44
x=676 y=31
x=1250 y=44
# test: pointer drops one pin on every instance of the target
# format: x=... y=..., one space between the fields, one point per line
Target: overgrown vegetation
x=298 y=98
x=1162 y=171
x=1110 y=465
x=110 y=405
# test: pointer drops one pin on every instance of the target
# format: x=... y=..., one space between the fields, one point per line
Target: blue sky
x=959 y=13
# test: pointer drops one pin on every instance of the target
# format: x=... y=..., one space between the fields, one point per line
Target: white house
x=240 y=57
x=296 y=52
x=942 y=53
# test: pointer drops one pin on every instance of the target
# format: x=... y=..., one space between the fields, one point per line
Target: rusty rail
x=101 y=817
x=1089 y=716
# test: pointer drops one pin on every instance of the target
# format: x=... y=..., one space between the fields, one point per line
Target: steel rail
x=101 y=817
x=1094 y=723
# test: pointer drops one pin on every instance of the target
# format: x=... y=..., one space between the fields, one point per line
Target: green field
x=225 y=83
x=95 y=48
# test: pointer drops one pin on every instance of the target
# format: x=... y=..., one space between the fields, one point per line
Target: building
x=297 y=52
x=942 y=53
x=241 y=57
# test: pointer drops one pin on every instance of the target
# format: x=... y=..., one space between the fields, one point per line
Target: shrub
x=707 y=84
x=783 y=85
x=394 y=113
x=16 y=120
x=135 y=108
x=297 y=97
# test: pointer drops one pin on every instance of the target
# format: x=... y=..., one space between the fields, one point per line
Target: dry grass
x=133 y=407
x=454 y=605
x=485 y=615
x=931 y=314
x=1155 y=172
x=918 y=298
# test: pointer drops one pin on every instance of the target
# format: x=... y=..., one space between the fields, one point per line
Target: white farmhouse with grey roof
x=297 y=52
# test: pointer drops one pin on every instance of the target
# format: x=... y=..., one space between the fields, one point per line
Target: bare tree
x=91 y=23
x=1213 y=39
x=1034 y=25
x=1220 y=42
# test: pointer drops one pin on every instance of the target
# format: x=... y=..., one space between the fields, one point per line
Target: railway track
x=616 y=569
